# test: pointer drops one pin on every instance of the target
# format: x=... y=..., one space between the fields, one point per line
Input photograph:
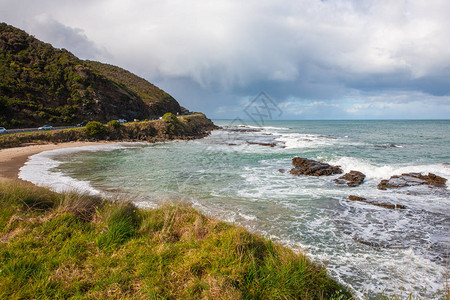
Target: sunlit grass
x=70 y=245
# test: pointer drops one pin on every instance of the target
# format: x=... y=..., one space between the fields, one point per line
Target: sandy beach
x=12 y=159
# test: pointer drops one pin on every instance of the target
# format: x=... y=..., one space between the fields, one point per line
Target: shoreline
x=12 y=159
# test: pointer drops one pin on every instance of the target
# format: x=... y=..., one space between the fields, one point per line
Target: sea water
x=240 y=174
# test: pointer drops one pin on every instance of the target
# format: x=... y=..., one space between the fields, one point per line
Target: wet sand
x=12 y=159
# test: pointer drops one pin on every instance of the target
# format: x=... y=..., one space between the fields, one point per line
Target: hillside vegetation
x=58 y=246
x=158 y=100
x=41 y=84
x=170 y=127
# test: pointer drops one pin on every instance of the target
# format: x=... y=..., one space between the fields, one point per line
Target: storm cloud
x=317 y=59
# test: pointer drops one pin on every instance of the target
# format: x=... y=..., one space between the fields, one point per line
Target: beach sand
x=12 y=159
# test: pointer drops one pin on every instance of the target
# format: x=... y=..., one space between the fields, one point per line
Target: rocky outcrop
x=304 y=166
x=385 y=205
x=352 y=178
x=412 y=179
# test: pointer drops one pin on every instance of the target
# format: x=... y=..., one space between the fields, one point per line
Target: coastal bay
x=197 y=256
x=233 y=176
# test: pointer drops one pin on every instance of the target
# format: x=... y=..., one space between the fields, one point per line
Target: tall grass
x=70 y=245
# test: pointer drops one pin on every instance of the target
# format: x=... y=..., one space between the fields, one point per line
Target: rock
x=385 y=205
x=367 y=243
x=352 y=178
x=282 y=170
x=262 y=144
x=357 y=198
x=241 y=129
x=412 y=179
x=304 y=166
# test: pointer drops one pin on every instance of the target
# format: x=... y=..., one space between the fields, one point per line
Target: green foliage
x=158 y=99
x=121 y=252
x=171 y=118
x=95 y=129
x=114 y=124
x=4 y=105
x=173 y=124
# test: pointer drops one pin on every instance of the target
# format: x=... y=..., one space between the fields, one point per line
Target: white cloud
x=61 y=36
x=311 y=49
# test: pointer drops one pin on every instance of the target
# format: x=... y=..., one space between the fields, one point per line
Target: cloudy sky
x=333 y=59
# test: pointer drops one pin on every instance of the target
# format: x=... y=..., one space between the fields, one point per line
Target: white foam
x=247 y=216
x=274 y=128
x=264 y=127
x=375 y=171
x=39 y=169
x=297 y=140
x=407 y=272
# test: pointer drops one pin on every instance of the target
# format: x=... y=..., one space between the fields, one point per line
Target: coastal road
x=9 y=131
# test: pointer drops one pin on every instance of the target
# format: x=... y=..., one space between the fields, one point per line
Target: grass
x=82 y=247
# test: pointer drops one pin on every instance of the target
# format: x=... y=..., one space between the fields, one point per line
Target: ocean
x=240 y=174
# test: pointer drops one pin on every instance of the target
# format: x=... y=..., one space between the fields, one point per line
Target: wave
x=298 y=140
x=373 y=171
x=264 y=127
x=40 y=169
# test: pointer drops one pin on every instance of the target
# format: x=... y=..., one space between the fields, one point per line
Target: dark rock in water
x=385 y=205
x=352 y=178
x=304 y=166
x=262 y=144
x=282 y=170
x=241 y=129
x=356 y=198
x=367 y=243
x=412 y=179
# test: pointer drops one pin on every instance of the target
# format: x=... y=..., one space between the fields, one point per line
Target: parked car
x=121 y=121
x=46 y=127
x=3 y=130
x=82 y=124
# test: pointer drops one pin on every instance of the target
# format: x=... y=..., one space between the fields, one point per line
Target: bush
x=114 y=124
x=173 y=124
x=171 y=118
x=95 y=129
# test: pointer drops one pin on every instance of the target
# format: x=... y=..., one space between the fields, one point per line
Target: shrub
x=114 y=124
x=95 y=129
x=170 y=117
x=173 y=124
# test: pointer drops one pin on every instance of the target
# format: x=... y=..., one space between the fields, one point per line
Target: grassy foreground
x=70 y=245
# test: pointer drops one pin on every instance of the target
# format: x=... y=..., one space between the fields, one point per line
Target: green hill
x=41 y=84
x=158 y=100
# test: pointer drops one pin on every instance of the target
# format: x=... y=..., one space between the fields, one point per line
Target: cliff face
x=41 y=84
